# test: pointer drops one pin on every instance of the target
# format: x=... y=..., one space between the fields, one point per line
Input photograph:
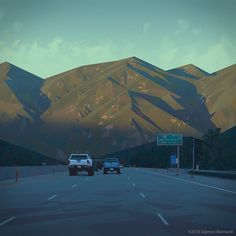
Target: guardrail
x=16 y=172
x=214 y=173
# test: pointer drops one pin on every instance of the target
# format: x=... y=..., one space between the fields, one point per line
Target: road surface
x=138 y=202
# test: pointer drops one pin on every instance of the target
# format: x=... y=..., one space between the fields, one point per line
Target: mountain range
x=108 y=107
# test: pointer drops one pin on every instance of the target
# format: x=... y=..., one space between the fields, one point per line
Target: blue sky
x=51 y=36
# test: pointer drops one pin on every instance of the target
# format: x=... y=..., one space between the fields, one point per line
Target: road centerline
x=8 y=220
x=162 y=219
x=50 y=198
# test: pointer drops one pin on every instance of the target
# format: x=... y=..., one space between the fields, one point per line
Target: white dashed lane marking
x=142 y=195
x=8 y=220
x=162 y=219
x=73 y=185
x=50 y=198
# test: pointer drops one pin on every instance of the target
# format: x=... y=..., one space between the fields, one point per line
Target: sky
x=47 y=37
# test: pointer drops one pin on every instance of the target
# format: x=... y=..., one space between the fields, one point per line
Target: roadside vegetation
x=13 y=155
x=216 y=151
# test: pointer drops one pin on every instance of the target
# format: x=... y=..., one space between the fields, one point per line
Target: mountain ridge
x=106 y=107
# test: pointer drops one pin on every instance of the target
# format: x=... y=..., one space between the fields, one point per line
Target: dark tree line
x=216 y=151
x=13 y=155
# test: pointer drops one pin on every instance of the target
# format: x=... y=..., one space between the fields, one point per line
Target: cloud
x=58 y=55
x=2 y=14
x=17 y=26
x=146 y=26
x=217 y=56
x=196 y=31
x=209 y=57
x=182 y=25
x=16 y=43
x=12 y=30
x=167 y=52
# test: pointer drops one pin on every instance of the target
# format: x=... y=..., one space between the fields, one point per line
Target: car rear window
x=111 y=160
x=78 y=157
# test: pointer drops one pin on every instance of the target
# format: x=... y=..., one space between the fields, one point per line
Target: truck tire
x=90 y=172
x=72 y=172
x=104 y=172
x=118 y=171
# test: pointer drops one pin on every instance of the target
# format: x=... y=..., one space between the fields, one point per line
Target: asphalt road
x=137 y=202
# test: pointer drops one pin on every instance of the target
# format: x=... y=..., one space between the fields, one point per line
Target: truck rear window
x=78 y=157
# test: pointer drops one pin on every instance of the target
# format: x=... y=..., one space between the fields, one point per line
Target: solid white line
x=142 y=195
x=50 y=198
x=73 y=185
x=192 y=182
x=162 y=219
x=6 y=221
x=133 y=184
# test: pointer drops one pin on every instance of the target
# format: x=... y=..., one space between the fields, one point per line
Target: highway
x=140 y=201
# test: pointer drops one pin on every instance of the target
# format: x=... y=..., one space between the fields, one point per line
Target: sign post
x=171 y=140
x=193 y=154
x=177 y=160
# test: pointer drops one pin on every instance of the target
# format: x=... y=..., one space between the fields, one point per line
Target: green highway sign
x=169 y=139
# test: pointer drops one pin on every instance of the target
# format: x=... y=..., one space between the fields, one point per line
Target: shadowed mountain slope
x=220 y=97
x=26 y=87
x=111 y=106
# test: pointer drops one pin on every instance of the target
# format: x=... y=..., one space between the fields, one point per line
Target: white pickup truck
x=80 y=162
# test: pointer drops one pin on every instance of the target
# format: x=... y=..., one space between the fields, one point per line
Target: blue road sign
x=173 y=160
